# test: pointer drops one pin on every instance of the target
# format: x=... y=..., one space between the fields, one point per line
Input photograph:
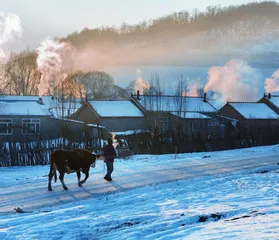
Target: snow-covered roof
x=124 y=108
x=174 y=103
x=216 y=103
x=191 y=115
x=47 y=100
x=95 y=125
x=68 y=120
x=254 y=110
x=130 y=132
x=274 y=100
x=28 y=105
x=62 y=112
x=54 y=103
x=23 y=109
x=18 y=98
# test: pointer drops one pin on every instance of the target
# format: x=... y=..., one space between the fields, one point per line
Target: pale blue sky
x=60 y=17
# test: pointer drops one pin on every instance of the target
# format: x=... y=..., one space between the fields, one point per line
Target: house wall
x=50 y=128
x=230 y=112
x=195 y=127
x=86 y=115
x=115 y=124
x=260 y=123
x=192 y=127
x=123 y=123
x=73 y=131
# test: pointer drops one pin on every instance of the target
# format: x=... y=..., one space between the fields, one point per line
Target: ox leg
x=50 y=176
x=61 y=177
x=86 y=176
x=78 y=177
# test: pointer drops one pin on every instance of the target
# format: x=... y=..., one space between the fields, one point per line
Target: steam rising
x=53 y=62
x=235 y=81
x=140 y=84
x=272 y=84
x=193 y=91
x=10 y=29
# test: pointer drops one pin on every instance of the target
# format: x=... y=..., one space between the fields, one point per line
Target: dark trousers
x=109 y=169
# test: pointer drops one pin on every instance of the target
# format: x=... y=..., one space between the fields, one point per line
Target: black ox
x=70 y=161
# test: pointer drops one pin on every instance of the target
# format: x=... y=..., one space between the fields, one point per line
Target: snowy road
x=34 y=195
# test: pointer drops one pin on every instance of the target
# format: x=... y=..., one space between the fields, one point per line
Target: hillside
x=247 y=32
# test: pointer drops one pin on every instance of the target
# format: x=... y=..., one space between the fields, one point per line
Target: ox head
x=93 y=159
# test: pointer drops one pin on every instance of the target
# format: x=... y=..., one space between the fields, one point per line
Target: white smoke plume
x=10 y=29
x=54 y=61
x=235 y=81
x=140 y=84
x=272 y=83
x=192 y=91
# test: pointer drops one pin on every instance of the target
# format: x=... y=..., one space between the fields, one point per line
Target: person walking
x=109 y=154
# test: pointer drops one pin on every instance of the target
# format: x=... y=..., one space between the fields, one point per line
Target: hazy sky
x=60 y=17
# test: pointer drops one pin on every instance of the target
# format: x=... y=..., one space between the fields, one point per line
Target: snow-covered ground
x=213 y=195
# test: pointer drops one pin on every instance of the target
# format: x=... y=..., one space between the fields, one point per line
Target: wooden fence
x=32 y=153
x=37 y=153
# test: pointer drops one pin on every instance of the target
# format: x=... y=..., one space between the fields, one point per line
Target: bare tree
x=119 y=93
x=75 y=82
x=156 y=85
x=65 y=102
x=2 y=79
x=181 y=93
x=21 y=75
x=156 y=117
x=98 y=85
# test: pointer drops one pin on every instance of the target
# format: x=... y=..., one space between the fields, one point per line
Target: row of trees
x=178 y=24
x=20 y=76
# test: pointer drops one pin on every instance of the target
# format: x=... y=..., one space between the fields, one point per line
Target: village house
x=30 y=118
x=253 y=119
x=191 y=115
x=271 y=100
x=109 y=116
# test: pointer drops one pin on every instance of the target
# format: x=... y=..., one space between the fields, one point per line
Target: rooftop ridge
x=109 y=100
x=14 y=95
x=153 y=95
x=244 y=102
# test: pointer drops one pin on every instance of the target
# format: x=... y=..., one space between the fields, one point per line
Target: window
x=6 y=126
x=30 y=126
x=163 y=124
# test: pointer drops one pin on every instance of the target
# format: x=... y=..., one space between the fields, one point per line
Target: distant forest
x=177 y=25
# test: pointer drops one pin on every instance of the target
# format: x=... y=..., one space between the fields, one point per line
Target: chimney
x=40 y=101
x=269 y=95
x=204 y=97
x=264 y=95
x=138 y=95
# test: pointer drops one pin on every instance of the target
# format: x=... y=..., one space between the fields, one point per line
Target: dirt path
x=34 y=196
